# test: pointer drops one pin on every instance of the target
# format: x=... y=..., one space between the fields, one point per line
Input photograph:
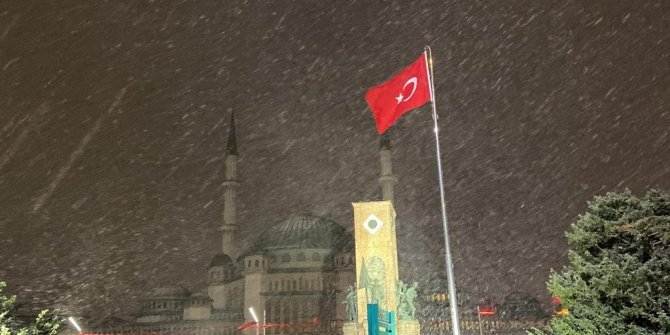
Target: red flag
x=408 y=90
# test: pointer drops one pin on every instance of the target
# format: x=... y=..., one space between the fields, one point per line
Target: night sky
x=114 y=119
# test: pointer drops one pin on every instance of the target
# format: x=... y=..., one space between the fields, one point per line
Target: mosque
x=294 y=275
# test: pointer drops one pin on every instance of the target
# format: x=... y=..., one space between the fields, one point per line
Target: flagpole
x=479 y=316
x=456 y=326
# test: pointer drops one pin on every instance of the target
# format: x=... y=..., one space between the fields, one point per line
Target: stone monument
x=377 y=270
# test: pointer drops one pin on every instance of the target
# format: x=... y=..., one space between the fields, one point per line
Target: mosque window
x=249 y=263
x=301 y=257
x=285 y=312
x=276 y=285
x=285 y=258
x=295 y=285
x=257 y=263
x=282 y=284
x=270 y=286
x=294 y=313
x=316 y=256
x=277 y=313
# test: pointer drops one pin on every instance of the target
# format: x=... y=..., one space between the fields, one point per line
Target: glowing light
x=74 y=324
x=486 y=310
x=253 y=314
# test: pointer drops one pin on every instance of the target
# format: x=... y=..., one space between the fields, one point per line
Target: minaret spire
x=387 y=179
x=230 y=185
x=231 y=146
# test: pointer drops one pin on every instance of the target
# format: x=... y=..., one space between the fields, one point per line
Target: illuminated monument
x=377 y=271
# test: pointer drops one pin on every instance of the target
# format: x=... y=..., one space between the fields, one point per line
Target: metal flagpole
x=456 y=326
x=479 y=316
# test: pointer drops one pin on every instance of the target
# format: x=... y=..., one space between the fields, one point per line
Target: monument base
x=350 y=328
x=408 y=327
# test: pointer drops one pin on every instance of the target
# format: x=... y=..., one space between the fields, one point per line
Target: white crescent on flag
x=400 y=98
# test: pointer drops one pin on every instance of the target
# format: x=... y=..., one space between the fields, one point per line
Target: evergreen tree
x=618 y=277
x=46 y=323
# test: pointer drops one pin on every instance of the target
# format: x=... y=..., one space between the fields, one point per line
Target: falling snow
x=114 y=118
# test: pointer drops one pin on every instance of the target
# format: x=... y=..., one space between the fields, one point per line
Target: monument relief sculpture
x=405 y=298
x=351 y=304
x=372 y=280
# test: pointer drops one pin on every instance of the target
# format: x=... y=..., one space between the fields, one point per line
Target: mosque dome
x=170 y=291
x=220 y=260
x=303 y=232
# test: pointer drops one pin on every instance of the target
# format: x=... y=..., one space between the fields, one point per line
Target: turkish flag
x=407 y=90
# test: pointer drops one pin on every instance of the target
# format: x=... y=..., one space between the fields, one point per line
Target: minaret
x=230 y=186
x=387 y=179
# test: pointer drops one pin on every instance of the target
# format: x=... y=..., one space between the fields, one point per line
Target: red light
x=486 y=310
x=246 y=326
